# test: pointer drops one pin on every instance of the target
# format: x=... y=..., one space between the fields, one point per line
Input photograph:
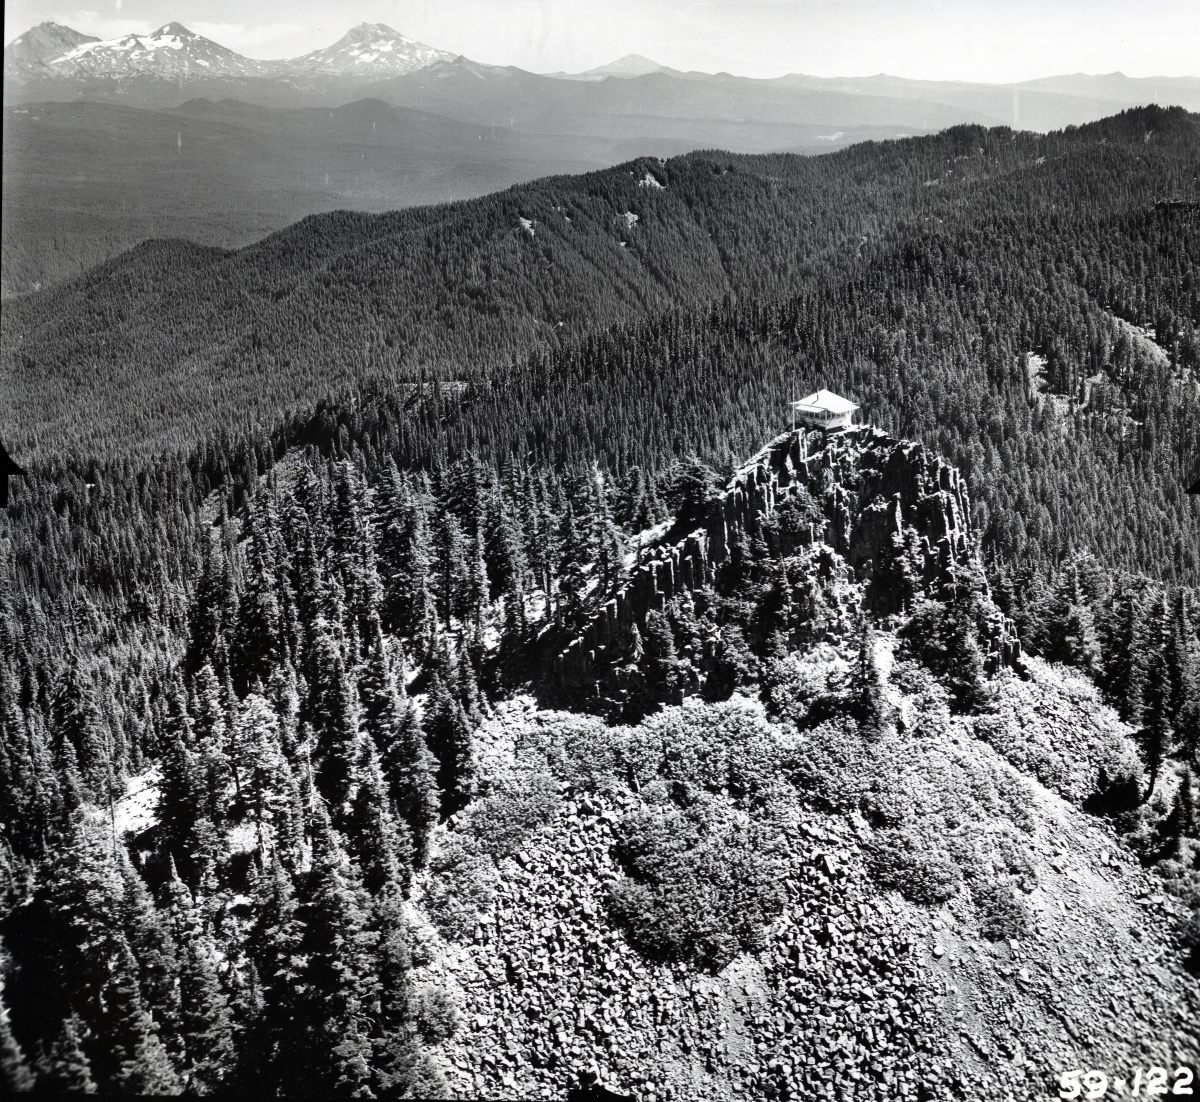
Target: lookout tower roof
x=824 y=401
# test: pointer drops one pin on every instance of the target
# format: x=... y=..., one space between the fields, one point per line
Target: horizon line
x=632 y=53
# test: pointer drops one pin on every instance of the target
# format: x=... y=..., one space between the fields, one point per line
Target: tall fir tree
x=450 y=549
x=64 y=1067
x=448 y=733
x=1123 y=651
x=335 y=723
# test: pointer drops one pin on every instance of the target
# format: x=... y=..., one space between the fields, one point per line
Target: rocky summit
x=859 y=507
x=756 y=891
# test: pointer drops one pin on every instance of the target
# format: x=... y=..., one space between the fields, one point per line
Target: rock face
x=880 y=498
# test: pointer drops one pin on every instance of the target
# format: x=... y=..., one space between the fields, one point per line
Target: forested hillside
x=171 y=334
x=314 y=533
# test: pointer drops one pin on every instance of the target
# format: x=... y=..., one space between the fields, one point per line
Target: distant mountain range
x=107 y=143
x=53 y=63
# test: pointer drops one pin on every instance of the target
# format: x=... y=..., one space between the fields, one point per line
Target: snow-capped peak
x=170 y=51
x=44 y=42
x=373 y=48
x=368 y=51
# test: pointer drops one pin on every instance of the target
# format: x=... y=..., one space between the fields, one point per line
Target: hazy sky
x=1001 y=40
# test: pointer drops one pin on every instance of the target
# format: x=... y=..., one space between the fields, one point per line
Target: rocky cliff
x=862 y=507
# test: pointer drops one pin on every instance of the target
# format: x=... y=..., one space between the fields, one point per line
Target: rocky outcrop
x=879 y=498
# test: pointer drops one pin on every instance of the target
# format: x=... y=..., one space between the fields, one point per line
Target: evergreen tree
x=475 y=588
x=183 y=788
x=466 y=685
x=261 y=766
x=207 y=1026
x=571 y=608
x=408 y=768
x=382 y=845
x=77 y=720
x=259 y=641
x=401 y=1068
x=139 y=1061
x=151 y=944
x=1069 y=629
x=411 y=769
x=690 y=487
x=406 y=555
x=1180 y=659
x=274 y=943
x=1183 y=812
x=450 y=550
x=312 y=593
x=335 y=723
x=212 y=743
x=65 y=1067
x=1156 y=723
x=448 y=733
x=542 y=546
x=504 y=555
x=606 y=538
x=664 y=679
x=15 y=1076
x=327 y=1051
x=1124 y=656
x=214 y=609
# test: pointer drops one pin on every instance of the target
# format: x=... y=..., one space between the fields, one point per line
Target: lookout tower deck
x=824 y=410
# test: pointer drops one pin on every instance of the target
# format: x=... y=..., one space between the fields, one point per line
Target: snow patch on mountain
x=169 y=51
x=373 y=49
x=370 y=50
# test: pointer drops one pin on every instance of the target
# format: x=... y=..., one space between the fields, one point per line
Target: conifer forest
x=433 y=666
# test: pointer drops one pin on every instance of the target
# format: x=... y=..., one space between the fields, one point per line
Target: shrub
x=945 y=638
x=583 y=751
x=689 y=488
x=834 y=768
x=732 y=664
x=460 y=887
x=726 y=748
x=435 y=1014
x=1001 y=913
x=883 y=806
x=1019 y=864
x=502 y=820
x=702 y=884
x=922 y=873
x=786 y=528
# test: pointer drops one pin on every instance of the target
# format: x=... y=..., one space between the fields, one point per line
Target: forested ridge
x=192 y=338
x=275 y=572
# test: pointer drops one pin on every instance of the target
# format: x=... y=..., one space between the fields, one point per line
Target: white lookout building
x=824 y=410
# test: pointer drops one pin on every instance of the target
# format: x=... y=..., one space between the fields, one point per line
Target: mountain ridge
x=1051 y=102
